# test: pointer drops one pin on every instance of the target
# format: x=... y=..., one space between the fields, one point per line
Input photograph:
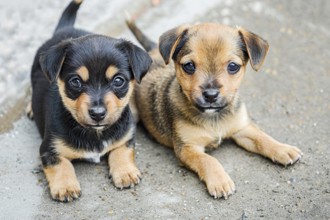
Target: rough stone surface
x=288 y=98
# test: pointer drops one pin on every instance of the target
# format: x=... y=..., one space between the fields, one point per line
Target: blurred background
x=288 y=97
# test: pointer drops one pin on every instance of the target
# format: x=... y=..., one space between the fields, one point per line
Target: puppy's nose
x=97 y=113
x=211 y=95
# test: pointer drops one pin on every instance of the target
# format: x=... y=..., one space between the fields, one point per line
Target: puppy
x=193 y=103
x=82 y=84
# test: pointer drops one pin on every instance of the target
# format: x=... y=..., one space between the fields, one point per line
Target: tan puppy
x=194 y=103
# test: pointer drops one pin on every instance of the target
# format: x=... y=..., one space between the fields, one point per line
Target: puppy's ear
x=169 y=41
x=257 y=48
x=52 y=60
x=139 y=60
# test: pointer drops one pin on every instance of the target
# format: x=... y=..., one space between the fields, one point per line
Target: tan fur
x=111 y=71
x=255 y=140
x=167 y=95
x=123 y=170
x=62 y=180
x=210 y=133
x=83 y=73
x=66 y=151
x=70 y=153
x=78 y=108
x=209 y=170
x=115 y=106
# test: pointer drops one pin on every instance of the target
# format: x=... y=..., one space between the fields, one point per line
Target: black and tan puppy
x=194 y=103
x=82 y=84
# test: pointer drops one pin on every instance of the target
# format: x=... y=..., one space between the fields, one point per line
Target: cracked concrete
x=288 y=98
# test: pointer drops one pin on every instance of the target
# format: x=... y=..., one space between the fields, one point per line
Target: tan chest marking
x=71 y=153
x=211 y=133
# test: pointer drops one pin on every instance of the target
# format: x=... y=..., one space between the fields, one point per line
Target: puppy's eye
x=233 y=68
x=118 y=81
x=189 y=67
x=75 y=82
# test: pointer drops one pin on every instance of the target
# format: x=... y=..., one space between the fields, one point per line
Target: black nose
x=97 y=113
x=211 y=95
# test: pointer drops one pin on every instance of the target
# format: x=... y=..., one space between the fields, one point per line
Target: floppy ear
x=139 y=60
x=169 y=41
x=257 y=48
x=52 y=60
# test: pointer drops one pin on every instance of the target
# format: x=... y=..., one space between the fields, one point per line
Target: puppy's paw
x=65 y=190
x=220 y=185
x=29 y=111
x=286 y=154
x=126 y=176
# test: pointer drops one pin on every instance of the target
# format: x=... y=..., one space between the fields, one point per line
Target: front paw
x=126 y=176
x=219 y=184
x=65 y=190
x=286 y=154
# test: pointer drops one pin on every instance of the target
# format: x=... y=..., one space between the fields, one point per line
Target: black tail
x=143 y=39
x=69 y=15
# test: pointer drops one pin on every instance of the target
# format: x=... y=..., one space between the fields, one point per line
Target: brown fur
x=63 y=183
x=167 y=97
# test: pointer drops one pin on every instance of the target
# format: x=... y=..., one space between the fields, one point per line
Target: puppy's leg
x=208 y=169
x=62 y=180
x=123 y=170
x=29 y=111
x=255 y=140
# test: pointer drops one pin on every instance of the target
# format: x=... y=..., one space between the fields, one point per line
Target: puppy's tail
x=69 y=15
x=139 y=35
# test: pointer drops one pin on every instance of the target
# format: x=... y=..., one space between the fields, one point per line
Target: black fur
x=60 y=57
x=167 y=41
x=139 y=60
x=68 y=16
x=183 y=40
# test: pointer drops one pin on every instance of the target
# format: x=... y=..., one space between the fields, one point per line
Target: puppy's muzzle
x=97 y=113
x=210 y=101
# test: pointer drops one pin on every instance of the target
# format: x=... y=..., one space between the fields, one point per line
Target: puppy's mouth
x=97 y=127
x=211 y=109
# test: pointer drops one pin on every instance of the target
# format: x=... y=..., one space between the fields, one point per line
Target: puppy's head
x=210 y=61
x=95 y=76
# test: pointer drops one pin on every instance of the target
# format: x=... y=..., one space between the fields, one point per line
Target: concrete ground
x=289 y=98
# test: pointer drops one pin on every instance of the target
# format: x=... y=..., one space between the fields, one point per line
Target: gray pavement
x=289 y=98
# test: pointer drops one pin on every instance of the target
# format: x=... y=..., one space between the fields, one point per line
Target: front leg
x=63 y=183
x=255 y=140
x=209 y=170
x=123 y=170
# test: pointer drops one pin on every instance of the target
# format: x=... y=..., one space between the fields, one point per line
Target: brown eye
x=189 y=67
x=75 y=82
x=118 y=81
x=233 y=68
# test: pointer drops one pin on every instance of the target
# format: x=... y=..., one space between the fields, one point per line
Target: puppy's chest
x=206 y=134
x=92 y=155
x=95 y=156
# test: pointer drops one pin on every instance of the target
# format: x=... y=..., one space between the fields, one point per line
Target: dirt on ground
x=289 y=98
